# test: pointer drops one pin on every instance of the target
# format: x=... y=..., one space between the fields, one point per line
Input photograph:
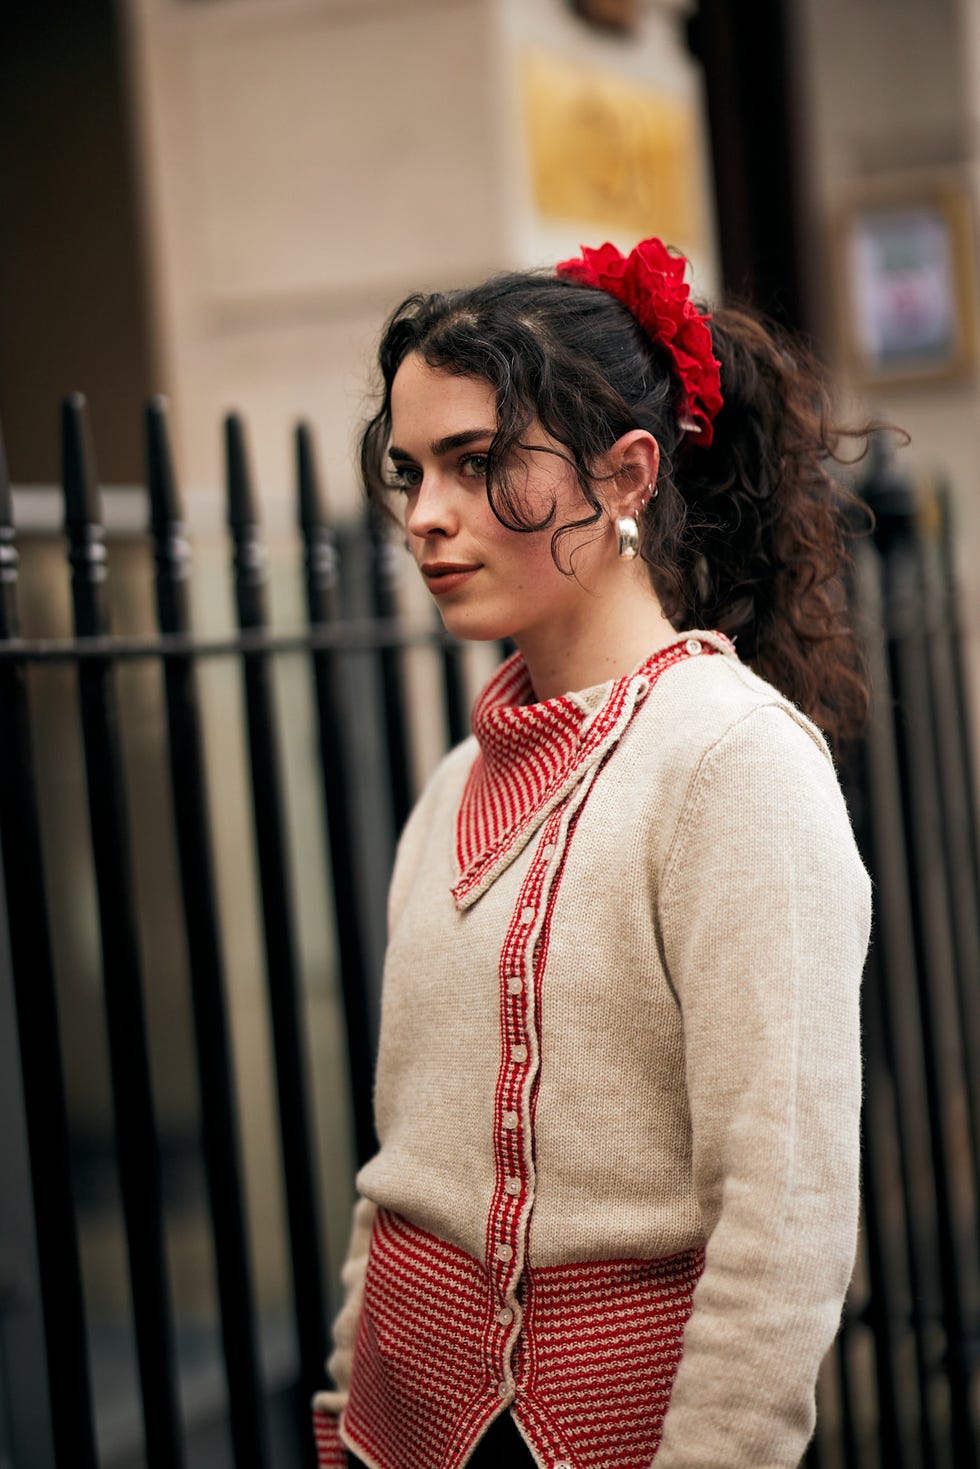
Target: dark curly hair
x=746 y=536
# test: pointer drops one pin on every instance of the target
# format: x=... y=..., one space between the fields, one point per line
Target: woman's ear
x=631 y=468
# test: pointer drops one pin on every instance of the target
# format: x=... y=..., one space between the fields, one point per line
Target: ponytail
x=756 y=544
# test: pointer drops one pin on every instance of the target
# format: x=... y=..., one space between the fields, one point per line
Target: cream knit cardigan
x=699 y=1042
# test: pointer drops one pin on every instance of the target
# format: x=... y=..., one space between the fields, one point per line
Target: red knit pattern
x=330 y=1450
x=597 y=1359
x=593 y=1368
x=423 y=1388
x=530 y=755
x=501 y=790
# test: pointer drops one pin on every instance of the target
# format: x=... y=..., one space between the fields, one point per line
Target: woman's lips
x=444 y=576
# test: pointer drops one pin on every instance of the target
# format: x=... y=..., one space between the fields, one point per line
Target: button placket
x=507 y=1225
x=521 y=966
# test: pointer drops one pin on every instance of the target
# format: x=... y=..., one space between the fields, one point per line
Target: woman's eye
x=405 y=477
x=475 y=465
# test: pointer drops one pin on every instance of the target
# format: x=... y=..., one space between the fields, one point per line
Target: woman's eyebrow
x=438 y=447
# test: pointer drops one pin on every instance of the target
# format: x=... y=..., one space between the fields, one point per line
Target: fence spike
x=165 y=506
x=242 y=505
x=79 y=479
x=312 y=503
x=9 y=622
x=6 y=492
x=319 y=541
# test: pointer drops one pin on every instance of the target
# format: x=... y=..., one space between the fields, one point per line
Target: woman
x=614 y=1209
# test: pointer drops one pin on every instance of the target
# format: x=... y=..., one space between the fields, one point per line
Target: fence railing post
x=215 y=1065
x=45 y=1103
x=320 y=575
x=384 y=578
x=457 y=725
x=136 y=1133
x=282 y=968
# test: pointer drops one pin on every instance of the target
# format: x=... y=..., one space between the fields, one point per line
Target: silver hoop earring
x=627 y=537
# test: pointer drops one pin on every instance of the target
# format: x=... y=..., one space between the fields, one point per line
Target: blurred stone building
x=221 y=199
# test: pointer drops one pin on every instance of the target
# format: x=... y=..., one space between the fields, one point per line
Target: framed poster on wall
x=908 y=294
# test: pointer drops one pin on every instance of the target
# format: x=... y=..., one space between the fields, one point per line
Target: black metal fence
x=906 y=1369
x=899 y=1389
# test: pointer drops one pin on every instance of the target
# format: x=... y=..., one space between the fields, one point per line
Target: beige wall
x=306 y=163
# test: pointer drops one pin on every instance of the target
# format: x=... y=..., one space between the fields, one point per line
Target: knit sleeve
x=328 y=1405
x=765 y=914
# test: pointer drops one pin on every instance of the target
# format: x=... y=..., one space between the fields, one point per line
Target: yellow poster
x=608 y=151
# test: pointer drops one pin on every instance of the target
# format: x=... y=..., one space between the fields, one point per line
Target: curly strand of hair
x=763 y=555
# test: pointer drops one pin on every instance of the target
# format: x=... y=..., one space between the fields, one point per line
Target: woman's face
x=488 y=581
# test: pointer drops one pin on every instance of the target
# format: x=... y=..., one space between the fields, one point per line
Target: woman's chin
x=472 y=626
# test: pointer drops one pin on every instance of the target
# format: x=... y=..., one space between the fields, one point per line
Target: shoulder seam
x=688 y=806
x=780 y=701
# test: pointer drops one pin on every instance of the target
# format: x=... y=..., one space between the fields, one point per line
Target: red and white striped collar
x=533 y=754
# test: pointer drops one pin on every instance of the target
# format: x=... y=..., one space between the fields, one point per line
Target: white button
x=561 y=1464
x=529 y=914
x=548 y=851
x=504 y=1252
x=512 y=1186
x=693 y=646
x=503 y=1389
x=509 y=1119
x=519 y=1053
x=514 y=986
x=506 y=1316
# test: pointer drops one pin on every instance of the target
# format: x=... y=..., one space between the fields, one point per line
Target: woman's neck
x=614 y=634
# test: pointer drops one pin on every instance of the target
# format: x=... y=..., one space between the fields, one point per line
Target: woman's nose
x=432 y=510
